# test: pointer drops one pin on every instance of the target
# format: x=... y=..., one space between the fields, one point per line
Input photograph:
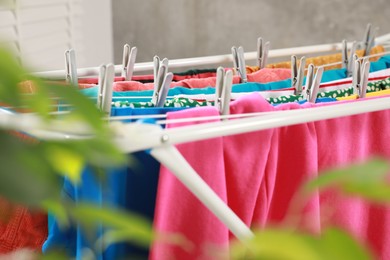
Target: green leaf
x=53 y=256
x=82 y=106
x=11 y=74
x=367 y=180
x=277 y=244
x=283 y=243
x=57 y=209
x=116 y=236
x=337 y=244
x=128 y=226
x=26 y=176
x=97 y=152
x=67 y=162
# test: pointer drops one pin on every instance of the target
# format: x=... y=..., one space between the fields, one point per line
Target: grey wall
x=189 y=28
x=97 y=33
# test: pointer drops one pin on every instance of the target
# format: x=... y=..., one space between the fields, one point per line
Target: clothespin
x=226 y=93
x=164 y=89
x=262 y=53
x=369 y=39
x=162 y=81
x=70 y=67
x=106 y=82
x=313 y=83
x=360 y=78
x=351 y=59
x=128 y=61
x=347 y=59
x=223 y=90
x=239 y=62
x=219 y=88
x=297 y=74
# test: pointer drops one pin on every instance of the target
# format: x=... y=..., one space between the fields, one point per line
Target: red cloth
x=95 y=81
x=21 y=228
x=261 y=171
x=151 y=77
x=261 y=76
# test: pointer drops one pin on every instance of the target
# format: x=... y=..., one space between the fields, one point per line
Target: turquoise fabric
x=330 y=75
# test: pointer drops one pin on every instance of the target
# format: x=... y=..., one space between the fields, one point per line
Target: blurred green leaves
x=119 y=225
x=30 y=169
x=366 y=180
x=26 y=175
x=283 y=243
x=31 y=172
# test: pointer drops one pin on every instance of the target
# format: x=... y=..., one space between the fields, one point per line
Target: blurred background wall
x=39 y=31
x=179 y=29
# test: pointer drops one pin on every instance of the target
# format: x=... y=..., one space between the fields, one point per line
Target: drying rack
x=131 y=137
x=212 y=60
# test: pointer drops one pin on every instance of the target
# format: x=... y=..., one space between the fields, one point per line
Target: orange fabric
x=322 y=60
x=29 y=87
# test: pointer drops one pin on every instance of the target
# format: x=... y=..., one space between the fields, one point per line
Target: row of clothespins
x=356 y=67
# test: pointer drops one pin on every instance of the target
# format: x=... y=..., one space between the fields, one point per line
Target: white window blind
x=39 y=31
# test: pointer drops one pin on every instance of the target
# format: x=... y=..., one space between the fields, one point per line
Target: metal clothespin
x=313 y=83
x=162 y=81
x=223 y=90
x=351 y=59
x=262 y=53
x=219 y=88
x=239 y=62
x=70 y=67
x=106 y=82
x=360 y=78
x=297 y=74
x=164 y=89
x=128 y=61
x=226 y=93
x=347 y=59
x=369 y=39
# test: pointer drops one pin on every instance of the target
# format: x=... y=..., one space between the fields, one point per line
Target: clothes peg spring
x=71 y=67
x=128 y=61
x=297 y=73
x=262 y=53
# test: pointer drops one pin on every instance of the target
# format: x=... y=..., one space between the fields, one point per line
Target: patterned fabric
x=371 y=87
x=175 y=102
x=372 y=94
x=321 y=60
x=188 y=102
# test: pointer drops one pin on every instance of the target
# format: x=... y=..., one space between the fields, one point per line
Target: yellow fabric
x=372 y=94
x=321 y=60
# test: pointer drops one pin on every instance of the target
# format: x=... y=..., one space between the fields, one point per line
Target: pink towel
x=344 y=141
x=261 y=172
x=261 y=76
x=267 y=75
x=203 y=226
x=248 y=182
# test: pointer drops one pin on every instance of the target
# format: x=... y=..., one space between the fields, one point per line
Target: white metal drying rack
x=211 y=60
x=135 y=137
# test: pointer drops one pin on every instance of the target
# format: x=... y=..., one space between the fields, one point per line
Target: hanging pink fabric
x=258 y=174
